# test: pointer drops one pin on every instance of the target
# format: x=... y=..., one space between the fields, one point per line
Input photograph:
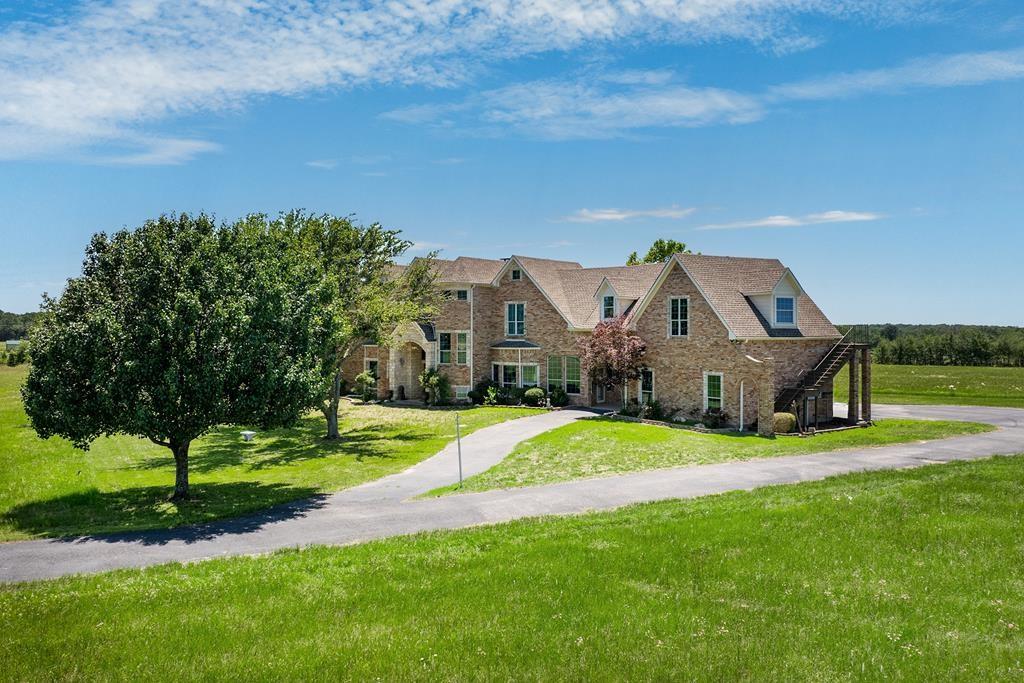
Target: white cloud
x=106 y=72
x=620 y=104
x=796 y=221
x=323 y=164
x=618 y=215
x=425 y=247
x=449 y=161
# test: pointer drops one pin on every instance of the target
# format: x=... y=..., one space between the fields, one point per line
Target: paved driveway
x=381 y=508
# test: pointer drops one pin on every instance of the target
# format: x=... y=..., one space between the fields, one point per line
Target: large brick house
x=739 y=334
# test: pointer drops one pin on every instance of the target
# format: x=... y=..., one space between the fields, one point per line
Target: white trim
x=775 y=312
x=605 y=281
x=519 y=372
x=646 y=301
x=615 y=306
x=721 y=376
x=454 y=349
x=515 y=303
x=668 y=317
x=496 y=282
x=465 y=390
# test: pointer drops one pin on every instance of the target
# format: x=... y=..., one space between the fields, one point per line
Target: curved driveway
x=381 y=508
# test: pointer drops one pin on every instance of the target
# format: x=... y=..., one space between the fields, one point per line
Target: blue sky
x=876 y=148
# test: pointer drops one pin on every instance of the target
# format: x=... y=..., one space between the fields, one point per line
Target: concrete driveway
x=382 y=508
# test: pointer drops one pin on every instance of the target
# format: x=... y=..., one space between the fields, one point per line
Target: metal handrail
x=838 y=343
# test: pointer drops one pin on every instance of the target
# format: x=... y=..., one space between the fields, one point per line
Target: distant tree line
x=15 y=325
x=981 y=345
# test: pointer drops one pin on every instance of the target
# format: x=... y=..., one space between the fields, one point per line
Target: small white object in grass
x=247 y=435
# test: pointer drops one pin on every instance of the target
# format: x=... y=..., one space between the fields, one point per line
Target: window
x=555 y=376
x=678 y=316
x=515 y=319
x=608 y=307
x=462 y=294
x=371 y=366
x=462 y=348
x=461 y=393
x=530 y=375
x=712 y=391
x=599 y=392
x=646 y=385
x=572 y=375
x=509 y=375
x=785 y=310
x=517 y=274
x=444 y=348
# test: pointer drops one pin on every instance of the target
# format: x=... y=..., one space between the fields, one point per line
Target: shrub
x=436 y=386
x=715 y=418
x=533 y=396
x=558 y=397
x=784 y=423
x=632 y=409
x=475 y=397
x=366 y=383
x=654 y=410
x=491 y=396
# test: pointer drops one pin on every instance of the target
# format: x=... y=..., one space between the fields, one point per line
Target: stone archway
x=411 y=353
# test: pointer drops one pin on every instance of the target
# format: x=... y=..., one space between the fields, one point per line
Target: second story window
x=462 y=294
x=678 y=317
x=607 y=307
x=444 y=348
x=515 y=319
x=517 y=274
x=785 y=310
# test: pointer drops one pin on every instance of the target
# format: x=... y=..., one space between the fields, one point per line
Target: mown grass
x=904 y=575
x=939 y=384
x=601 y=446
x=49 y=488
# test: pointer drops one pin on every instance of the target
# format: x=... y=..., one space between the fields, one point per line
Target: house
x=736 y=334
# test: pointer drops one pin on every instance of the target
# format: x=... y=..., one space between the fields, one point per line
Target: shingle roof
x=479 y=271
x=580 y=287
x=728 y=282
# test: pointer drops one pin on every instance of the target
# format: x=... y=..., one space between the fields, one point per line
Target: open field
x=906 y=575
x=600 y=447
x=123 y=483
x=941 y=384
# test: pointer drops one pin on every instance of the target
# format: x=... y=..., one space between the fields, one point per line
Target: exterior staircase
x=815 y=379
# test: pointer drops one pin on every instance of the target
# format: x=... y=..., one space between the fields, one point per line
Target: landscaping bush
x=533 y=396
x=654 y=410
x=784 y=423
x=436 y=387
x=367 y=385
x=558 y=397
x=632 y=409
x=475 y=397
x=715 y=418
x=491 y=396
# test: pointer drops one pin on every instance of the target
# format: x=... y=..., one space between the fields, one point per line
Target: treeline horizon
x=946 y=344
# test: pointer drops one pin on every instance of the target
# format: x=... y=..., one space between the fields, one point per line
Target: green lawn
x=937 y=384
x=122 y=483
x=600 y=446
x=904 y=575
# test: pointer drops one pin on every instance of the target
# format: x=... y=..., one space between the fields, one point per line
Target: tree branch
x=158 y=442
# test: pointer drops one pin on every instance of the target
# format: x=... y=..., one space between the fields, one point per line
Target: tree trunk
x=331 y=412
x=180 y=451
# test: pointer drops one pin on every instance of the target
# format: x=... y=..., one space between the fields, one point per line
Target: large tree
x=371 y=296
x=661 y=250
x=613 y=354
x=177 y=327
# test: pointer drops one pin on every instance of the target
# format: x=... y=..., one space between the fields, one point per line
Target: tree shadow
x=116 y=516
x=225 y=448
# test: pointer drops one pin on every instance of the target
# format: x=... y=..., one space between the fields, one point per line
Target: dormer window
x=517 y=274
x=608 y=307
x=785 y=310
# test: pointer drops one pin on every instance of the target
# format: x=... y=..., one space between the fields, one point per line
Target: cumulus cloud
x=619 y=215
x=109 y=71
x=796 y=221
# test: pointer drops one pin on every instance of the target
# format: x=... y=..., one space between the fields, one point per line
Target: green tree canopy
x=370 y=296
x=176 y=327
x=661 y=250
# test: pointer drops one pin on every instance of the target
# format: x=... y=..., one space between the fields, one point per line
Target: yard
x=941 y=384
x=905 y=575
x=48 y=488
x=601 y=446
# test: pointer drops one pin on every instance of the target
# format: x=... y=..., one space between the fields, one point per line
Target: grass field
x=599 y=447
x=936 y=384
x=123 y=483
x=904 y=575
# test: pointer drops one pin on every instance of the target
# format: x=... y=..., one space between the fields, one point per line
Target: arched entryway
x=412 y=352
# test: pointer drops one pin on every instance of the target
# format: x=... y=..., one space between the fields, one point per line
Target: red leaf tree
x=613 y=354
